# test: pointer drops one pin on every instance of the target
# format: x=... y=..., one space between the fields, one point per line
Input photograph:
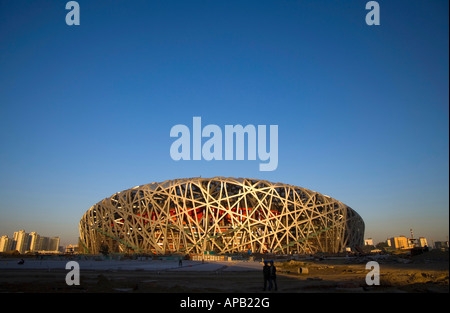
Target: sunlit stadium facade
x=224 y=215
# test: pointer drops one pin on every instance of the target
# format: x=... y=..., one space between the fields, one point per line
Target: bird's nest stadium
x=224 y=215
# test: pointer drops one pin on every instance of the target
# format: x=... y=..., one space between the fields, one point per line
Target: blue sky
x=362 y=111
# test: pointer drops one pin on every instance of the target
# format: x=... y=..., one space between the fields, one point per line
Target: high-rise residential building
x=43 y=243
x=441 y=244
x=29 y=242
x=6 y=244
x=422 y=242
x=3 y=241
x=34 y=241
x=16 y=234
x=53 y=244
x=22 y=240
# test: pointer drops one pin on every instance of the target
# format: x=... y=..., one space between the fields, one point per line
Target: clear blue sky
x=86 y=111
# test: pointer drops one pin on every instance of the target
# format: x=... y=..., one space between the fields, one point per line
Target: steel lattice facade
x=225 y=215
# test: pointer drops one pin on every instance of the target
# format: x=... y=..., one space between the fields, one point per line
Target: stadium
x=220 y=215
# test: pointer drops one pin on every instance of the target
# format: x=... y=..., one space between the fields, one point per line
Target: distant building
x=34 y=241
x=22 y=241
x=441 y=244
x=368 y=242
x=400 y=242
x=30 y=242
x=6 y=244
x=43 y=244
x=71 y=249
x=48 y=244
x=422 y=242
x=53 y=244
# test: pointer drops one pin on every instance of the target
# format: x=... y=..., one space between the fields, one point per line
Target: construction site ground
x=425 y=273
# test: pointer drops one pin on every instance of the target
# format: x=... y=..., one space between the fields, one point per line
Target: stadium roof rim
x=239 y=180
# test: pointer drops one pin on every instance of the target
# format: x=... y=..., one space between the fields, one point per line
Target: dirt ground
x=426 y=273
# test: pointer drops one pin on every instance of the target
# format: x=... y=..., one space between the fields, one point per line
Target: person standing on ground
x=273 y=276
x=266 y=275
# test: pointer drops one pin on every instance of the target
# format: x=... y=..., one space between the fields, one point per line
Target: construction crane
x=412 y=241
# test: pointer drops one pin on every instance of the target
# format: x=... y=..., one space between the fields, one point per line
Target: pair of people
x=270 y=275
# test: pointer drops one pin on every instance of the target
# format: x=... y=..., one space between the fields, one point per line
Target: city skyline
x=73 y=240
x=362 y=111
x=24 y=242
x=367 y=240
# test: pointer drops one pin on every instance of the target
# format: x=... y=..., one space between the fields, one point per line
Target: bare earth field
x=426 y=273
